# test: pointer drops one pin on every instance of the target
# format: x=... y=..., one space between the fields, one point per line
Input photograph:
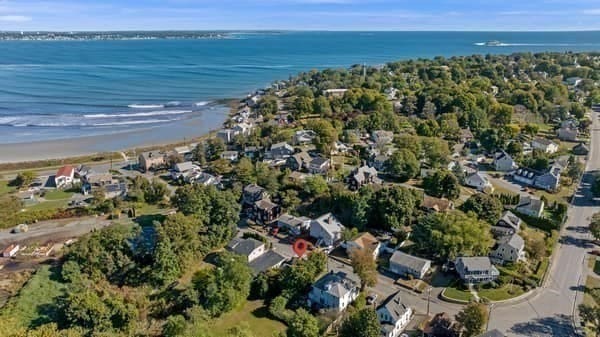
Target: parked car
x=371 y=298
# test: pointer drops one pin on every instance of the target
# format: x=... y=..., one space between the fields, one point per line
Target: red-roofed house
x=64 y=176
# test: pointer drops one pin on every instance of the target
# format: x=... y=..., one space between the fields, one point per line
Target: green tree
x=362 y=323
x=244 y=171
x=155 y=192
x=436 y=151
x=225 y=287
x=322 y=106
x=484 y=206
x=590 y=315
x=403 y=164
x=392 y=208
x=442 y=184
x=473 y=319
x=364 y=265
x=303 y=105
x=24 y=179
x=174 y=326
x=315 y=186
x=452 y=234
x=303 y=324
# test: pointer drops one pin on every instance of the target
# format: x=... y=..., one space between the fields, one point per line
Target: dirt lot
x=53 y=231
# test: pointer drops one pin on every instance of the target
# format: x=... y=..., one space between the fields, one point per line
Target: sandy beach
x=160 y=135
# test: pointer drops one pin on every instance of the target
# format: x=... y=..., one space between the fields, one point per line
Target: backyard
x=254 y=315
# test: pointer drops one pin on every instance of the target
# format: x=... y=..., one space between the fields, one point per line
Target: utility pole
x=428 y=300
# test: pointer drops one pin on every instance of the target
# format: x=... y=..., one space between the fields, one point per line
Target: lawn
x=502 y=293
x=590 y=283
x=253 y=315
x=4 y=188
x=562 y=195
x=46 y=205
x=34 y=305
x=57 y=195
x=457 y=294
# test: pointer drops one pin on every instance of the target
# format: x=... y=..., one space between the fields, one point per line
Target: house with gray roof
x=253 y=193
x=508 y=224
x=406 y=264
x=382 y=136
x=531 y=206
x=294 y=225
x=280 y=151
x=581 y=149
x=299 y=161
x=548 y=180
x=567 y=133
x=266 y=261
x=319 y=165
x=509 y=248
x=504 y=162
x=479 y=182
x=476 y=269
x=544 y=145
x=250 y=248
x=334 y=291
x=361 y=176
x=326 y=229
x=302 y=137
x=393 y=316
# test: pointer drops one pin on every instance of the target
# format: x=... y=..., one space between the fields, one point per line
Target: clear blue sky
x=300 y=14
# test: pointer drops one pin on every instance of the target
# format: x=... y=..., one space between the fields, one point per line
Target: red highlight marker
x=300 y=247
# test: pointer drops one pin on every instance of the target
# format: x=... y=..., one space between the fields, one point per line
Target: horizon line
x=302 y=30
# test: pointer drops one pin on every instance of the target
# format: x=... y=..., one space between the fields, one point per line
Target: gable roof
x=410 y=261
x=475 y=263
x=265 y=204
x=528 y=202
x=544 y=141
x=394 y=307
x=329 y=223
x=243 y=246
x=514 y=241
x=319 y=161
x=510 y=219
x=361 y=173
x=65 y=171
x=266 y=261
x=366 y=240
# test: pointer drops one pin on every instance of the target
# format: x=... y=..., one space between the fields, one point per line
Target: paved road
x=551 y=311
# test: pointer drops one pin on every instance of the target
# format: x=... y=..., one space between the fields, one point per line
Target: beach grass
x=36 y=302
x=5 y=188
x=254 y=315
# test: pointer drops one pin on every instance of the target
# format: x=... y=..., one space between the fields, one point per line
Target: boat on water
x=493 y=43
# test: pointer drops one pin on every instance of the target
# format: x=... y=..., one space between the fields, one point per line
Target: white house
x=64 y=176
x=326 y=229
x=334 y=92
x=295 y=225
x=251 y=248
x=10 y=251
x=226 y=135
x=280 y=151
x=476 y=269
x=183 y=170
x=509 y=248
x=333 y=291
x=302 y=137
x=230 y=155
x=479 y=181
x=504 y=162
x=244 y=129
x=530 y=206
x=364 y=241
x=409 y=265
x=545 y=145
x=393 y=316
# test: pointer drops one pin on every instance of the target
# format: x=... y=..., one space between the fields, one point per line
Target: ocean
x=67 y=89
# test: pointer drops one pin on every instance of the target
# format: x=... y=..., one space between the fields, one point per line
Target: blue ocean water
x=65 y=89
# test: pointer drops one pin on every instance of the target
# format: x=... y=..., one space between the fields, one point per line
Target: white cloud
x=15 y=18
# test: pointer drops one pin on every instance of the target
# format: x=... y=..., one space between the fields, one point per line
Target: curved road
x=551 y=310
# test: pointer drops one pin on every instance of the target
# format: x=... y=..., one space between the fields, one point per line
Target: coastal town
x=444 y=197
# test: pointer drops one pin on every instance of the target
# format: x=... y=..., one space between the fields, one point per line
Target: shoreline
x=154 y=137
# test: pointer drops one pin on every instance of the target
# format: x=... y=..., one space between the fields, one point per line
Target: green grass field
x=253 y=315
x=457 y=294
x=34 y=305
x=46 y=205
x=4 y=188
x=58 y=195
x=503 y=293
